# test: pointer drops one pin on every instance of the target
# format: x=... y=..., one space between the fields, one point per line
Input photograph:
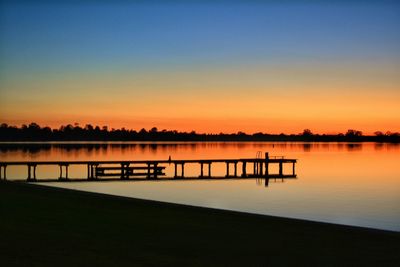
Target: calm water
x=353 y=184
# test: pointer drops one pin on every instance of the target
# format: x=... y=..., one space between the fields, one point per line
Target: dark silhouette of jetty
x=155 y=169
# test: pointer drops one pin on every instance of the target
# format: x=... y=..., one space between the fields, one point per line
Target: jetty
x=155 y=169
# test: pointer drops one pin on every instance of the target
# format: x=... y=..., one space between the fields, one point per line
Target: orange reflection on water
x=356 y=184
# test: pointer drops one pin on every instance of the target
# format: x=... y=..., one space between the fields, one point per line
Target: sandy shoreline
x=44 y=226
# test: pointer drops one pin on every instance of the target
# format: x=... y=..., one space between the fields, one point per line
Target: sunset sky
x=270 y=66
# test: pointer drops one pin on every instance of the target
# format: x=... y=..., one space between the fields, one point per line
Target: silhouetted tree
x=307 y=132
x=352 y=133
x=89 y=127
x=33 y=132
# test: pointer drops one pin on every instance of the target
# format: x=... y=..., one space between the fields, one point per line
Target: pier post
x=29 y=172
x=60 y=171
x=293 y=168
x=124 y=171
x=183 y=169
x=280 y=168
x=66 y=171
x=31 y=167
x=244 y=169
x=209 y=169
x=155 y=170
x=266 y=164
x=227 y=169
x=266 y=182
x=127 y=171
x=148 y=170
x=91 y=171
x=4 y=172
x=176 y=170
x=201 y=169
x=94 y=174
x=235 y=170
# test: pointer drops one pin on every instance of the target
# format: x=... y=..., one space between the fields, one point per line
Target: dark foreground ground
x=42 y=226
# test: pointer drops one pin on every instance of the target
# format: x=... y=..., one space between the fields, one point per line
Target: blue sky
x=264 y=47
x=47 y=37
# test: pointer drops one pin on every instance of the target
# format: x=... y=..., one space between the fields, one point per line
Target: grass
x=44 y=226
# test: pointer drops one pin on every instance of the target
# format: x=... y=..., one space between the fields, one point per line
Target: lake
x=346 y=183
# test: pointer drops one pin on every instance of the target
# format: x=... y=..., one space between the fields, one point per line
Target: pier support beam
x=280 y=168
x=266 y=173
x=176 y=169
x=202 y=163
x=3 y=167
x=182 y=170
x=61 y=172
x=228 y=163
x=244 y=174
x=31 y=172
x=91 y=171
x=155 y=174
x=124 y=171
x=148 y=171
x=201 y=170
x=294 y=168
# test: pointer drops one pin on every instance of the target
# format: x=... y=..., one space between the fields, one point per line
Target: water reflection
x=350 y=183
x=34 y=148
x=266 y=181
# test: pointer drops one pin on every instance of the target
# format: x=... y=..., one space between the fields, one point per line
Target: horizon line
x=155 y=129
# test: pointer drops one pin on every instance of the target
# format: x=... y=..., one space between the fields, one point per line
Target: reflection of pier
x=274 y=179
x=155 y=169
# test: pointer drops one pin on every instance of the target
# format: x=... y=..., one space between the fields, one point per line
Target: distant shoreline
x=365 y=139
x=89 y=133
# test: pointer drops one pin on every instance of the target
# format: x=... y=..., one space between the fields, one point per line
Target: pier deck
x=155 y=169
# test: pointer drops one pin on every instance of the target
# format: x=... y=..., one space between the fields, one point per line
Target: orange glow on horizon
x=261 y=99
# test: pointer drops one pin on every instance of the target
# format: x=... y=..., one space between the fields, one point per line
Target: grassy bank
x=43 y=226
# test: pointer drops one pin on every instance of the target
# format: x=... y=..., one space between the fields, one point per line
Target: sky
x=209 y=66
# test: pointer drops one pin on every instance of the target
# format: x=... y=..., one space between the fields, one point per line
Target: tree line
x=69 y=132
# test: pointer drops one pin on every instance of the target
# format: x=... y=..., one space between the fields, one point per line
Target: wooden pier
x=155 y=169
